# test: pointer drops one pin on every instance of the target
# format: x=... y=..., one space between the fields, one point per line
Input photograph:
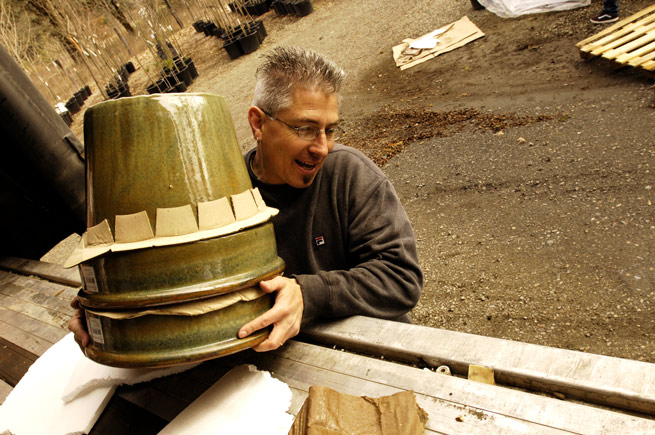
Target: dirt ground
x=527 y=172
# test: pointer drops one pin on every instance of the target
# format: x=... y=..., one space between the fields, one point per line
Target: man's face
x=285 y=157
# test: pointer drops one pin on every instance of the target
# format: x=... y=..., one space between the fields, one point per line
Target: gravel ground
x=526 y=171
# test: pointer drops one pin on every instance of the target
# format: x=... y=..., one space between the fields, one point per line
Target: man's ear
x=256 y=119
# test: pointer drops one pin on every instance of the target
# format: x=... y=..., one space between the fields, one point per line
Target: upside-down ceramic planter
x=150 y=154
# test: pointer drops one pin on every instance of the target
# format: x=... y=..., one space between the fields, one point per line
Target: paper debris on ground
x=328 y=411
x=411 y=52
x=244 y=401
x=516 y=8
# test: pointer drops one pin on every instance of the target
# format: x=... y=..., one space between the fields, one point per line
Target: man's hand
x=77 y=325
x=285 y=316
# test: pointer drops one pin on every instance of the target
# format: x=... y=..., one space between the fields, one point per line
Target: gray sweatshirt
x=346 y=239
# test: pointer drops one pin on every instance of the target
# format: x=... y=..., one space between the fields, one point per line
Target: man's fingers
x=260 y=322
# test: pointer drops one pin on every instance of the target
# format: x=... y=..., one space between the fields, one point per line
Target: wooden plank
x=36 y=295
x=483 y=408
x=5 y=389
x=634 y=58
x=627 y=48
x=41 y=314
x=614 y=382
x=644 y=60
x=14 y=362
x=25 y=340
x=49 y=271
x=35 y=327
x=623 y=36
x=617 y=25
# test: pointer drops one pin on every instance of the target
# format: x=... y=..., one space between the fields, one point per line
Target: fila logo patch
x=319 y=240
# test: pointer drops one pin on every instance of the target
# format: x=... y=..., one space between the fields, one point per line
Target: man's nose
x=320 y=145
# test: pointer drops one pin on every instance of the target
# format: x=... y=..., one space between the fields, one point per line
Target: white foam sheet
x=35 y=406
x=89 y=375
x=64 y=392
x=244 y=401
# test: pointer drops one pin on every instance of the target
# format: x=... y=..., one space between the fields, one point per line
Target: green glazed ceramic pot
x=171 y=274
x=161 y=151
x=157 y=151
x=167 y=340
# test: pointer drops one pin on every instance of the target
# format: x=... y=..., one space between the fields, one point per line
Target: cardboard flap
x=215 y=214
x=175 y=221
x=133 y=227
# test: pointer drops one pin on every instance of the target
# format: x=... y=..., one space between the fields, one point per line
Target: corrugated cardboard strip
x=174 y=225
x=414 y=51
x=327 y=412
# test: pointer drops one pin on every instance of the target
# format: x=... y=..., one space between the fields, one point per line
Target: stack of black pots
x=175 y=79
x=75 y=103
x=119 y=88
x=237 y=40
x=299 y=8
x=251 y=7
x=243 y=39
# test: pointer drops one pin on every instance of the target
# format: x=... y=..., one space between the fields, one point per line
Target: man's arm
x=384 y=279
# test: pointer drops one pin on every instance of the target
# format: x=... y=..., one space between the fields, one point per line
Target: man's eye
x=309 y=130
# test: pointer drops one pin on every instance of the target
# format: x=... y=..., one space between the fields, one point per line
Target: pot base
x=169 y=340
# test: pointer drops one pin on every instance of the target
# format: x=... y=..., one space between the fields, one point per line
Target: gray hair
x=285 y=68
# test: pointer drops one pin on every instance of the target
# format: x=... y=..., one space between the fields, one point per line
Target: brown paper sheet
x=328 y=412
x=454 y=35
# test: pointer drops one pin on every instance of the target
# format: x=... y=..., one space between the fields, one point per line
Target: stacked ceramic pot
x=152 y=300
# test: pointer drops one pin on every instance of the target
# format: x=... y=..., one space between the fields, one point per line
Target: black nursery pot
x=289 y=7
x=233 y=49
x=303 y=8
x=163 y=86
x=66 y=117
x=278 y=8
x=152 y=88
x=79 y=97
x=184 y=75
x=72 y=105
x=249 y=42
x=192 y=67
x=180 y=87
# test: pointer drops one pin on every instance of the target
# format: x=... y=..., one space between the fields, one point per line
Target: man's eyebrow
x=313 y=121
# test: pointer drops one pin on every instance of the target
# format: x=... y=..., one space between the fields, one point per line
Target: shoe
x=605 y=17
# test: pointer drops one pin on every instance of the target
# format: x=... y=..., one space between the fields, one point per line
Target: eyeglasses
x=309 y=132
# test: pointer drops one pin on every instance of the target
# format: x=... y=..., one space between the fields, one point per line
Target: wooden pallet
x=630 y=42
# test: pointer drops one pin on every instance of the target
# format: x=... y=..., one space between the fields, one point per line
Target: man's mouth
x=305 y=165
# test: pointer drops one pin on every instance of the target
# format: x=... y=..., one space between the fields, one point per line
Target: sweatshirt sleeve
x=383 y=278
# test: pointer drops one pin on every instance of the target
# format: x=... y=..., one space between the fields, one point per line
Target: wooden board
x=615 y=382
x=455 y=405
x=49 y=271
x=14 y=362
x=483 y=408
x=630 y=41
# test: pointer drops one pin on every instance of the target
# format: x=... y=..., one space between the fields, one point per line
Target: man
x=345 y=238
x=347 y=242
